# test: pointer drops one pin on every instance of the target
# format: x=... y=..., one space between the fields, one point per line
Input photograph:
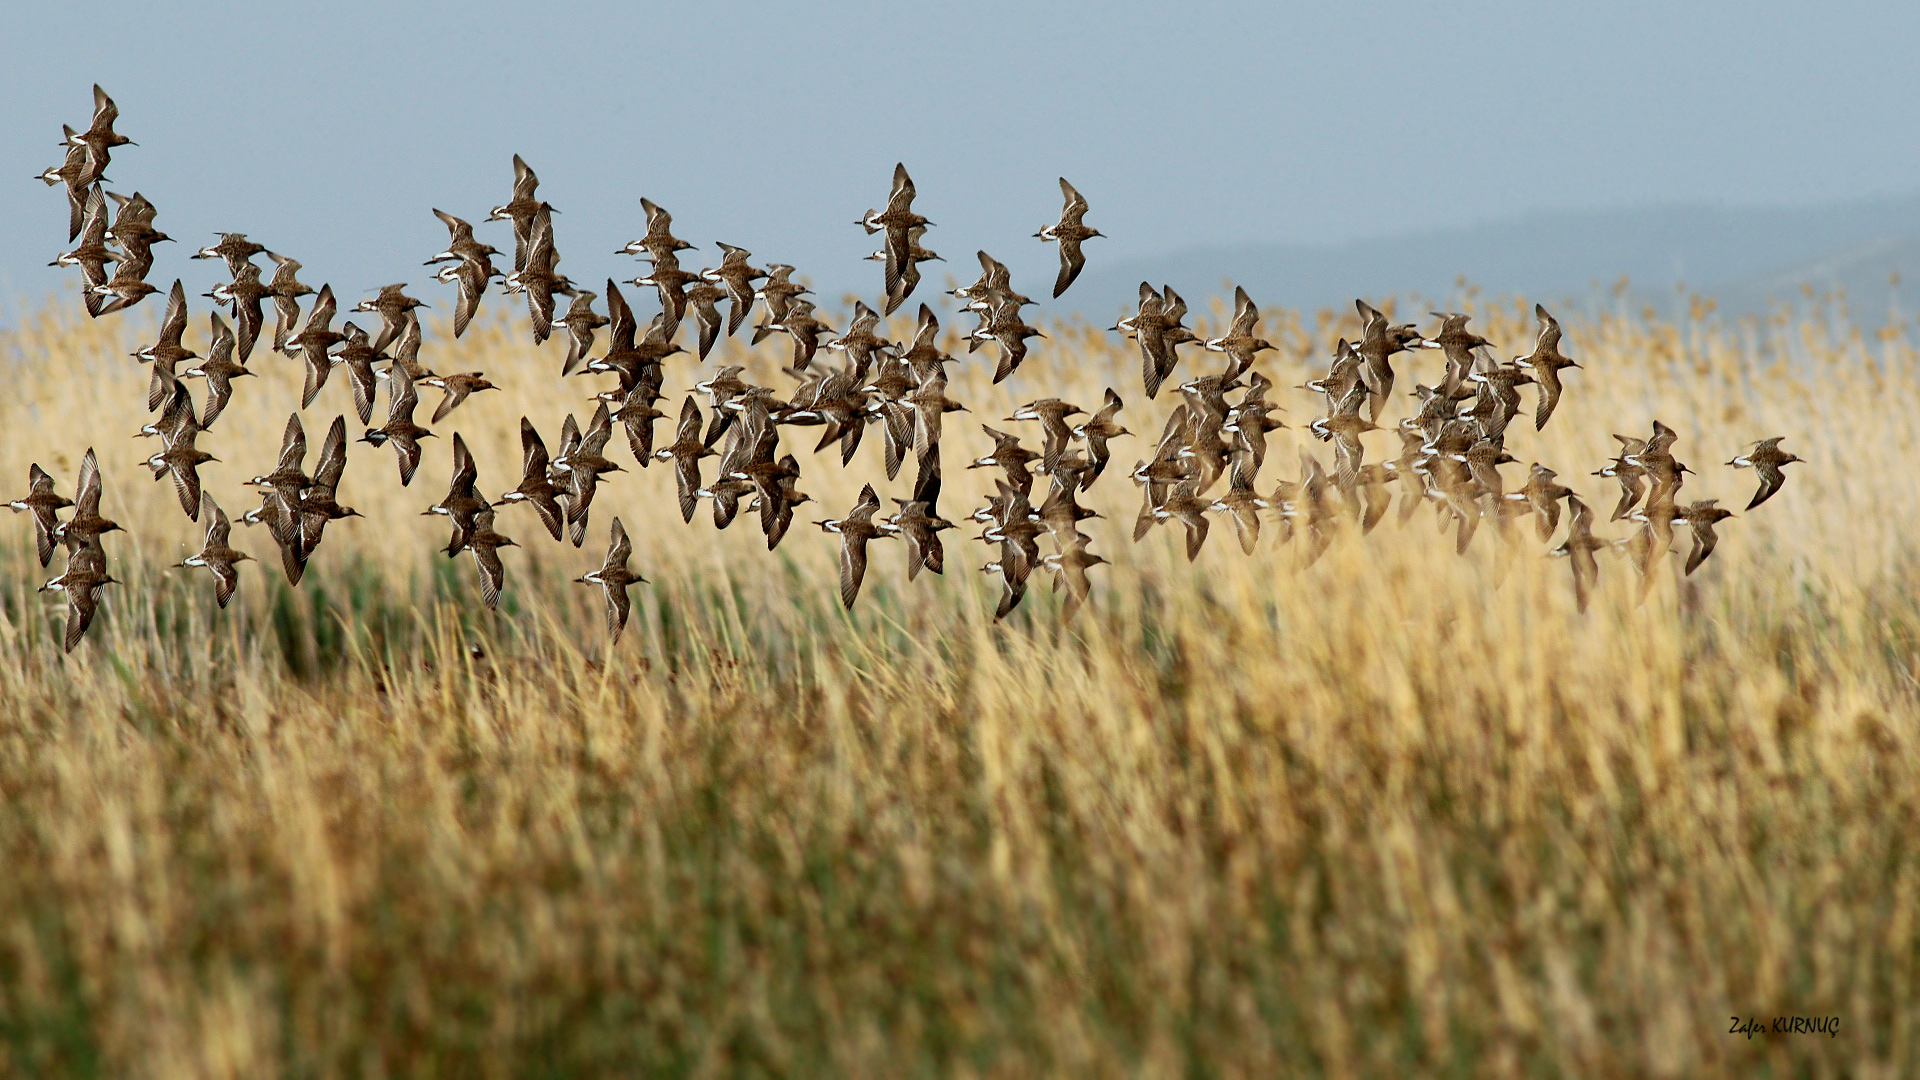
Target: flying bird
x=1767 y=459
x=216 y=555
x=614 y=578
x=400 y=430
x=855 y=530
x=1545 y=363
x=44 y=503
x=1070 y=231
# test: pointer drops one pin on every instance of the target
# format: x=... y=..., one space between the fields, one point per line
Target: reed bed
x=1397 y=813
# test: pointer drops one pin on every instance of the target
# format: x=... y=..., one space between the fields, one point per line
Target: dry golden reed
x=1399 y=813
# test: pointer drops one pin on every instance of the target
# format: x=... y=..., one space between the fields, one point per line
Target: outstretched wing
x=620 y=547
x=853 y=569
x=492 y=574
x=87 y=494
x=1771 y=478
x=1072 y=261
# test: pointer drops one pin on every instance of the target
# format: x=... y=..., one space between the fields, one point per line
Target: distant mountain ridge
x=1745 y=258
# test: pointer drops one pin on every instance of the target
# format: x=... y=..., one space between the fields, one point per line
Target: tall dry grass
x=1399 y=813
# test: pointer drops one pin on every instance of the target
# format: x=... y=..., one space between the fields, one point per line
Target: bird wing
x=407 y=455
x=464 y=470
x=926 y=429
x=739 y=301
x=1549 y=340
x=471 y=281
x=901 y=197
x=1072 y=261
x=360 y=378
x=540 y=309
x=1075 y=203
x=226 y=578
x=402 y=395
x=640 y=436
x=548 y=507
x=1347 y=457
x=492 y=574
x=686 y=473
x=317 y=367
x=524 y=182
x=619 y=547
x=1246 y=525
x=853 y=568
x=658 y=220
x=456 y=392
x=287 y=316
x=456 y=228
x=916 y=550
x=293 y=556
x=1771 y=478
x=689 y=428
x=1704 y=539
x=1586 y=571
x=1010 y=596
x=1196 y=524
x=1245 y=314
x=324 y=306
x=333 y=456
x=80 y=607
x=533 y=451
x=186 y=483
x=707 y=318
x=896 y=250
x=618 y=605
x=622 y=327
x=1549 y=381
x=1154 y=361
x=219 y=529
x=594 y=440
x=87 y=490
x=174 y=324
x=44 y=524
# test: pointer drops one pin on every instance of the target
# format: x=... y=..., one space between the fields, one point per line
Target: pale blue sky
x=328 y=131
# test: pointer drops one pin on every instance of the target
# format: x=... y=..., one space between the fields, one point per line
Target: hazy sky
x=329 y=131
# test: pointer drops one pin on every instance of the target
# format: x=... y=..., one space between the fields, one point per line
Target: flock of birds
x=1449 y=458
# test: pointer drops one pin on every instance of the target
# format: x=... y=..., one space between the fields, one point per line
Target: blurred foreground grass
x=1399 y=813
